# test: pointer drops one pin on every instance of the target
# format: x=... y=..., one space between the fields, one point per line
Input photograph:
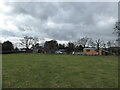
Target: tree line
x=32 y=43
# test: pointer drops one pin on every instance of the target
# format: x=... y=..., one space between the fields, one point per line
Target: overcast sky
x=60 y=21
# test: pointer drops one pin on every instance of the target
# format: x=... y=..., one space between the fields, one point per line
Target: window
x=96 y=50
x=88 y=50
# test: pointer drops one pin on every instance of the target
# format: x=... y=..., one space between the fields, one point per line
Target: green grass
x=59 y=71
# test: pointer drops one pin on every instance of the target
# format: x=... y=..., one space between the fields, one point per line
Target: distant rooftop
x=89 y=48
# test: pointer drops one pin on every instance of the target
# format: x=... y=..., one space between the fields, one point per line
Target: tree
x=61 y=46
x=51 y=46
x=79 y=48
x=117 y=31
x=7 y=46
x=70 y=48
x=104 y=44
x=98 y=43
x=42 y=42
x=109 y=44
x=83 y=41
x=91 y=43
x=35 y=48
x=28 y=41
x=16 y=49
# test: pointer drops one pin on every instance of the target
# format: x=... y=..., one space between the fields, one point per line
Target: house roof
x=89 y=48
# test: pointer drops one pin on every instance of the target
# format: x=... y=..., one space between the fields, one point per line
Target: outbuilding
x=92 y=51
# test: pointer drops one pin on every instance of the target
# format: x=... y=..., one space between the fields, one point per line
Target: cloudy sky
x=63 y=21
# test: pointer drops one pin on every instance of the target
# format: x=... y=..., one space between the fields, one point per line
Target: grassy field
x=59 y=71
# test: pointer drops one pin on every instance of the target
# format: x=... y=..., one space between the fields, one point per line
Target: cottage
x=92 y=51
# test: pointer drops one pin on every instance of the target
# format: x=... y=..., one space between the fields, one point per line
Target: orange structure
x=91 y=51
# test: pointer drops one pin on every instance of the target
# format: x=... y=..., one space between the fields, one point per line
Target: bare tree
x=112 y=43
x=117 y=28
x=117 y=31
x=34 y=41
x=91 y=43
x=76 y=43
x=42 y=42
x=28 y=41
x=83 y=41
x=103 y=44
x=109 y=44
x=98 y=43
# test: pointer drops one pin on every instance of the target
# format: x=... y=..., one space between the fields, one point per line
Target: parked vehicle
x=58 y=52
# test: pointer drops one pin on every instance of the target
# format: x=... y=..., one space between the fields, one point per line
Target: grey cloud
x=7 y=33
x=77 y=19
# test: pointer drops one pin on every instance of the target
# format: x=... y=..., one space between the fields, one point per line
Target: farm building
x=92 y=51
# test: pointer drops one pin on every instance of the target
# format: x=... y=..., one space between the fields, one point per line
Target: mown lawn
x=59 y=71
